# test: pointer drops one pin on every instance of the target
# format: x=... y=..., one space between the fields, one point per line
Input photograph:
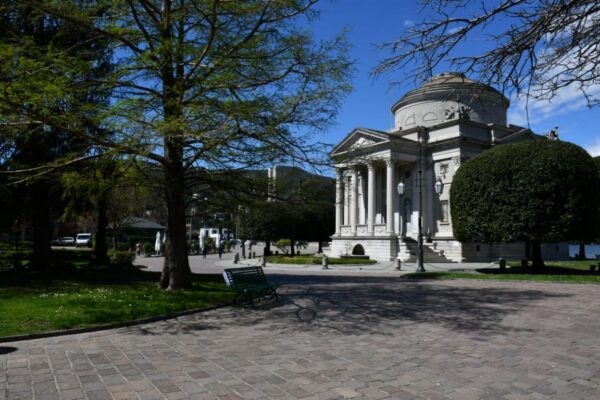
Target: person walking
x=220 y=251
x=204 y=251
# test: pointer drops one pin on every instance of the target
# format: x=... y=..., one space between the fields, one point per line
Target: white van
x=83 y=240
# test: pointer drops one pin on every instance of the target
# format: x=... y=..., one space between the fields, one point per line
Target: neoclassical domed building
x=437 y=127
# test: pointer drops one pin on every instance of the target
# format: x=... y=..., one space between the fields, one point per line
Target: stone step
x=429 y=255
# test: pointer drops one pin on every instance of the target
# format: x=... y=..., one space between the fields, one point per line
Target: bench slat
x=248 y=280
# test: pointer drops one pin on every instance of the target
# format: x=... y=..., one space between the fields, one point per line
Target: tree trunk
x=42 y=227
x=537 y=263
x=292 y=250
x=582 y=255
x=267 y=251
x=320 y=247
x=176 y=270
x=100 y=247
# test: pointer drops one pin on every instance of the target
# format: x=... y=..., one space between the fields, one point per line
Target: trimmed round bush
x=538 y=190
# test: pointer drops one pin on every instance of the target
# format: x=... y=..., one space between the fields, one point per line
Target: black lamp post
x=196 y=199
x=192 y=212
x=438 y=186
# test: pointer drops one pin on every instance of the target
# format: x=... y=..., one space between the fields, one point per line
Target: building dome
x=450 y=96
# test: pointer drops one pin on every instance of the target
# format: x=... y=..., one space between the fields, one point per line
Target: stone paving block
x=381 y=338
x=150 y=395
x=347 y=393
x=20 y=395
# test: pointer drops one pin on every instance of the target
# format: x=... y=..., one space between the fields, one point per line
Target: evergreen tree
x=536 y=191
x=31 y=42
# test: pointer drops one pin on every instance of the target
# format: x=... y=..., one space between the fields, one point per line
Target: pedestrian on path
x=204 y=251
x=220 y=251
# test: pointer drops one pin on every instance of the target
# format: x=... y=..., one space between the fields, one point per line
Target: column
x=389 y=212
x=371 y=198
x=339 y=201
x=346 y=181
x=353 y=201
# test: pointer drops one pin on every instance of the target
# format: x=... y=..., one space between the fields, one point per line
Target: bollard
x=325 y=262
x=398 y=265
x=236 y=258
x=502 y=264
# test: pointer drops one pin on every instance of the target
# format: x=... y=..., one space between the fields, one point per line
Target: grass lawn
x=313 y=259
x=555 y=271
x=82 y=297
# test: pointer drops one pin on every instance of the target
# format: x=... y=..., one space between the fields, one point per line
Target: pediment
x=360 y=138
x=517 y=136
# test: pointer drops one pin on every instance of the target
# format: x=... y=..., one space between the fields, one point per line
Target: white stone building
x=437 y=127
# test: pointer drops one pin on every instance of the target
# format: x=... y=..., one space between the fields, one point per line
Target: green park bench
x=249 y=283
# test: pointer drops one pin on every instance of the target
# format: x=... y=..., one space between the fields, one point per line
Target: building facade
x=437 y=127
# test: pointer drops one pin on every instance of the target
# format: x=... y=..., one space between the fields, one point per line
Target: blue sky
x=372 y=22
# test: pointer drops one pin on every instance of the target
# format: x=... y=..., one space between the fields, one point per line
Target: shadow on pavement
x=350 y=305
x=7 y=350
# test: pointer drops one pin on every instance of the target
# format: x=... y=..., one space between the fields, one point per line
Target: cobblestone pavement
x=336 y=338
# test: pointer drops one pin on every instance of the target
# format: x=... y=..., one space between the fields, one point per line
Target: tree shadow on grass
x=359 y=305
x=116 y=276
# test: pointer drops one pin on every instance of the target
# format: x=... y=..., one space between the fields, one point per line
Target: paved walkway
x=336 y=338
x=212 y=264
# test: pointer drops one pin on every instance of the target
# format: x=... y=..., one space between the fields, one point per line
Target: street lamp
x=401 y=188
x=195 y=201
x=192 y=212
x=438 y=186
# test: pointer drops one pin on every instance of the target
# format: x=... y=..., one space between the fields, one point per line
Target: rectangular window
x=445 y=211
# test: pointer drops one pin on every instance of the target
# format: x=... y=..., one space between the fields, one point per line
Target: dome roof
x=428 y=104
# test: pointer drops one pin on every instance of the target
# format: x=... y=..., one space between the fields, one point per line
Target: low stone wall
x=384 y=249
x=481 y=252
x=377 y=248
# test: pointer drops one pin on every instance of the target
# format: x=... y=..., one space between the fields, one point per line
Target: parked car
x=63 y=241
x=83 y=240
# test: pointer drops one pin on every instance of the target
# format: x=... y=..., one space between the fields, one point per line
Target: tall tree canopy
x=534 y=47
x=537 y=191
x=218 y=84
x=31 y=44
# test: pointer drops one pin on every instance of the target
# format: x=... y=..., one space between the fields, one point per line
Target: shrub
x=193 y=247
x=121 y=258
x=538 y=190
x=148 y=248
x=284 y=245
x=209 y=244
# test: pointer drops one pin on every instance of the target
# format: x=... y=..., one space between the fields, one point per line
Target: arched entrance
x=358 y=250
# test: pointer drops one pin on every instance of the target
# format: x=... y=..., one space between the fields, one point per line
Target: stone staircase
x=430 y=255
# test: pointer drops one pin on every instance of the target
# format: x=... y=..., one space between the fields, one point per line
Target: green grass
x=583 y=265
x=312 y=259
x=39 y=302
x=555 y=271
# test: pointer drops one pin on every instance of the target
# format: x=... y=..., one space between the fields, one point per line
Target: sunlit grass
x=554 y=271
x=39 y=302
x=317 y=260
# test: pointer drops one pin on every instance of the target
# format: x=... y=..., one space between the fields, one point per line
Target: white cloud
x=594 y=148
x=566 y=100
x=408 y=23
